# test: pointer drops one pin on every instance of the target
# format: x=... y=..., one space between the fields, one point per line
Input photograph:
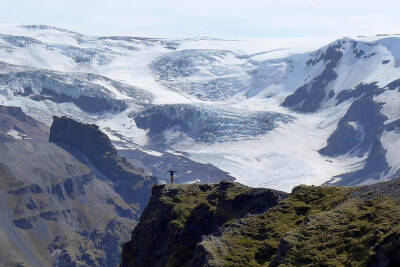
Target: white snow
x=391 y=142
x=271 y=68
x=15 y=134
x=353 y=124
x=392 y=44
x=283 y=157
x=174 y=152
x=153 y=153
x=117 y=94
x=122 y=125
x=391 y=104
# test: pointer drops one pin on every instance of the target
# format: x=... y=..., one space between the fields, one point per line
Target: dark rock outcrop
x=87 y=138
x=308 y=98
x=61 y=204
x=179 y=215
x=95 y=145
x=208 y=225
x=387 y=252
x=359 y=133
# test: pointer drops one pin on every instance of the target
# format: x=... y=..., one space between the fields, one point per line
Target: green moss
x=179 y=215
x=183 y=206
x=186 y=198
x=346 y=235
x=254 y=241
x=313 y=226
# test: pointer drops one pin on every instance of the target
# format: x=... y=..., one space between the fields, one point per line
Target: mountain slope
x=312 y=226
x=244 y=106
x=94 y=145
x=56 y=207
x=179 y=215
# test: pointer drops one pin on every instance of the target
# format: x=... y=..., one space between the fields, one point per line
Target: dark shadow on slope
x=97 y=148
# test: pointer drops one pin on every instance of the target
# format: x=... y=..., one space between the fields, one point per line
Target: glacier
x=272 y=113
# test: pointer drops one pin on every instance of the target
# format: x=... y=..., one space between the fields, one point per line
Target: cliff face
x=193 y=225
x=69 y=203
x=88 y=140
x=179 y=215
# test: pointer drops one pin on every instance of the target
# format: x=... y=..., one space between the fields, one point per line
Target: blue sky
x=233 y=18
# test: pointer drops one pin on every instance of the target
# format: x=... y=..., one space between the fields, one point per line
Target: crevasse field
x=272 y=112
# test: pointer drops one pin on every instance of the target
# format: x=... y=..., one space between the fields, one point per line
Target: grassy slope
x=255 y=240
x=314 y=226
x=178 y=215
x=344 y=236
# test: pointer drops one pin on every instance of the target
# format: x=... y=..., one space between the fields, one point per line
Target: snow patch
x=391 y=142
x=16 y=134
x=153 y=153
x=391 y=104
x=353 y=124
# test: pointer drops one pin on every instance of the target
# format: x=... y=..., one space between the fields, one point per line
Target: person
x=171 y=173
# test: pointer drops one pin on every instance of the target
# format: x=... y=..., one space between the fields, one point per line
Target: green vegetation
x=255 y=240
x=313 y=226
x=346 y=235
x=179 y=215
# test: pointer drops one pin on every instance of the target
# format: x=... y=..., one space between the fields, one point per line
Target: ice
x=281 y=158
x=391 y=106
x=246 y=76
x=391 y=142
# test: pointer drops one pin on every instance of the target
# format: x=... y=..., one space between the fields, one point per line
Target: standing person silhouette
x=171 y=173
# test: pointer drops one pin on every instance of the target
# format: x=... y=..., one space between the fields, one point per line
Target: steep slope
x=16 y=125
x=357 y=78
x=129 y=181
x=244 y=106
x=312 y=226
x=78 y=94
x=179 y=215
x=342 y=99
x=56 y=207
x=168 y=125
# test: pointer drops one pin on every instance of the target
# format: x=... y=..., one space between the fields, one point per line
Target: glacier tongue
x=220 y=101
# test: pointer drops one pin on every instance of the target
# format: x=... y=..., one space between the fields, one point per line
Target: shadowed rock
x=179 y=215
x=95 y=145
x=209 y=225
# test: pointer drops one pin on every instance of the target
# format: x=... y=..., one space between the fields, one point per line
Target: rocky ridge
x=179 y=215
x=59 y=204
x=312 y=226
x=129 y=181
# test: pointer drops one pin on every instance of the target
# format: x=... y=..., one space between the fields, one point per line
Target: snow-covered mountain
x=271 y=113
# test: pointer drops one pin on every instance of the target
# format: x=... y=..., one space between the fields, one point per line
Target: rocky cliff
x=179 y=215
x=69 y=203
x=95 y=145
x=228 y=224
